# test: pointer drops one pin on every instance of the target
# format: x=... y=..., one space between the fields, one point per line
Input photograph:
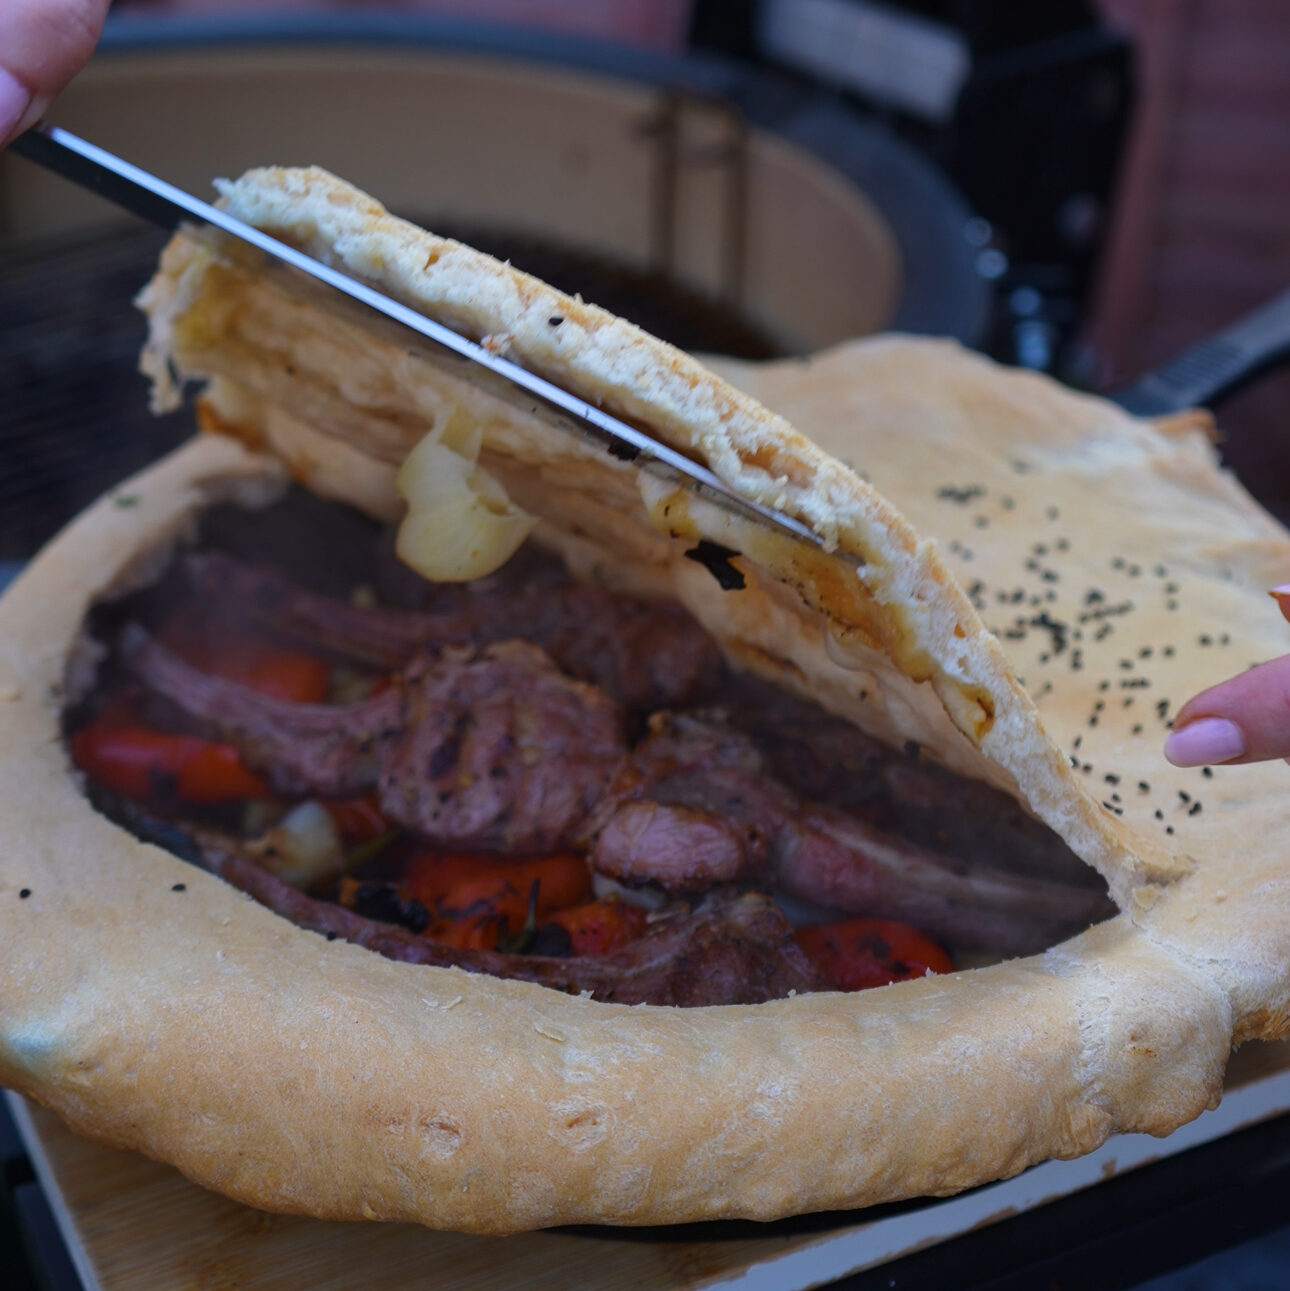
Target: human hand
x=43 y=44
x=1243 y=719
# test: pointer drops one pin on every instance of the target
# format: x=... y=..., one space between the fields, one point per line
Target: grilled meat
x=693 y=803
x=646 y=654
x=496 y=750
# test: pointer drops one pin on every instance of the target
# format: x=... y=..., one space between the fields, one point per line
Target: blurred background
x=1083 y=187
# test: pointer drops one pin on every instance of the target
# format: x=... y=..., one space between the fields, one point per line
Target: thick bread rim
x=154 y=1007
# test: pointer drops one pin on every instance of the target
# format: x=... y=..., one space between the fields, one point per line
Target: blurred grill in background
x=1025 y=107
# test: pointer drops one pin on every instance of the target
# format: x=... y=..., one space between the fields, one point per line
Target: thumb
x=43 y=44
x=1243 y=719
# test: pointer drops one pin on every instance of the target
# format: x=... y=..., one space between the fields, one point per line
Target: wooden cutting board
x=132 y=1224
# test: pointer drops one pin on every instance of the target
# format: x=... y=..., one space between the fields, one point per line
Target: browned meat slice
x=829 y=761
x=646 y=654
x=730 y=948
x=495 y=750
x=694 y=802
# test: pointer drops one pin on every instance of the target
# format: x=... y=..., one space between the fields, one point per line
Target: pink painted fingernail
x=14 y=102
x=1211 y=739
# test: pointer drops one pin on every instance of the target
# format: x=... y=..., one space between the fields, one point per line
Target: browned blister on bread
x=1014 y=618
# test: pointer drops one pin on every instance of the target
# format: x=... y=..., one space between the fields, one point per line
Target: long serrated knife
x=163 y=204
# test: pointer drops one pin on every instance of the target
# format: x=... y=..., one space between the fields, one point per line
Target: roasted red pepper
x=600 y=926
x=858 y=953
x=145 y=764
x=471 y=894
x=359 y=820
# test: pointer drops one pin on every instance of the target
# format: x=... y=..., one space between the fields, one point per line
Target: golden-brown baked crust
x=304 y=1075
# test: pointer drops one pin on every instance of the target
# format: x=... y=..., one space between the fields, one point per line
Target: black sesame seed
x=1168 y=652
x=1184 y=795
x=1207 y=772
x=1092 y=721
x=555 y=320
x=331 y=936
x=1111 y=778
x=1104 y=685
x=981 y=522
x=1224 y=639
x=1160 y=571
x=1159 y=815
x=179 y=887
x=1194 y=809
x=1145 y=652
x=1118 y=562
x=1099 y=705
x=1137 y=729
x=1134 y=570
x=1169 y=829
x=1171 y=605
x=1079 y=739
x=1143 y=786
x=24 y=893
x=1062 y=545
x=1204 y=640
x=1126 y=663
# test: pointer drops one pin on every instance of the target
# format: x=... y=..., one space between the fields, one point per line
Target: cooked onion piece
x=304 y=847
x=460 y=523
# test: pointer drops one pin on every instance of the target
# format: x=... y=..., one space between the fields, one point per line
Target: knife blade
x=163 y=204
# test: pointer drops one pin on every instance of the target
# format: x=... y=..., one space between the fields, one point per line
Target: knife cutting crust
x=309 y=1076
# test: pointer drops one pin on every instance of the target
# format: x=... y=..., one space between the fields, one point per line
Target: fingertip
x=15 y=103
x=1206 y=741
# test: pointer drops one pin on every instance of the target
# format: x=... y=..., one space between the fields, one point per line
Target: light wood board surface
x=135 y=1225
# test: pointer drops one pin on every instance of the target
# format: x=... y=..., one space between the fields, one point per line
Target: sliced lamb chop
x=496 y=750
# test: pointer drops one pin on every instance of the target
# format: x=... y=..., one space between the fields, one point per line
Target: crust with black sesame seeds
x=311 y=1076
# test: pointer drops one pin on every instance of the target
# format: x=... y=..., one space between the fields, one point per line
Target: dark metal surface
x=1215 y=368
x=73 y=411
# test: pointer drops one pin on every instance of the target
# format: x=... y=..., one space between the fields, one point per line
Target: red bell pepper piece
x=859 y=953
x=471 y=893
x=141 y=763
x=598 y=927
x=359 y=820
